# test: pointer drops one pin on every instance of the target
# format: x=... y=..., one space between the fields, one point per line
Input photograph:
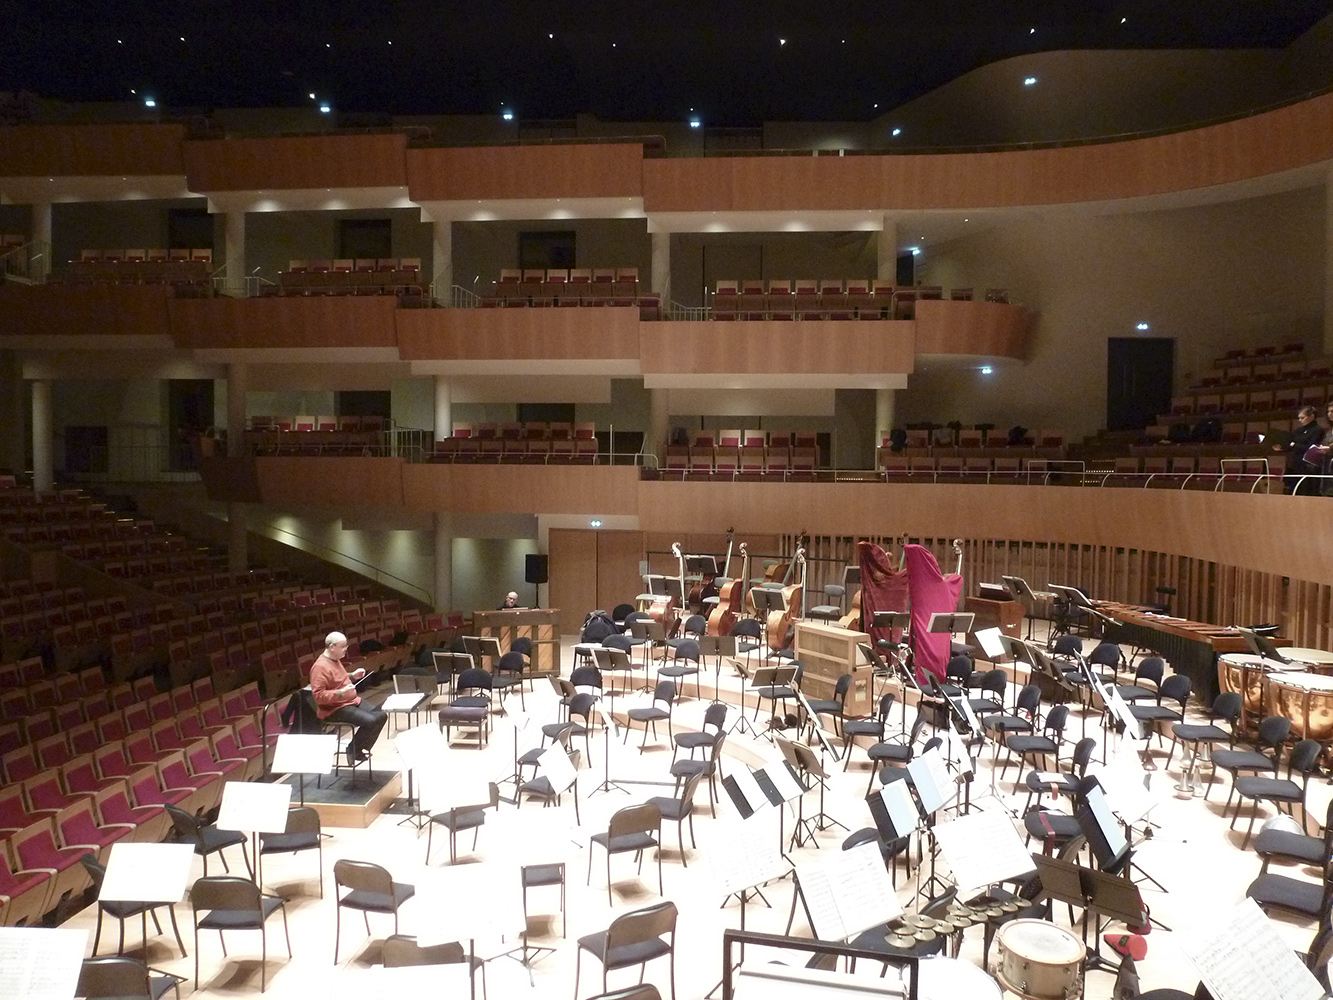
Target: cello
x=723 y=616
x=779 y=626
x=665 y=607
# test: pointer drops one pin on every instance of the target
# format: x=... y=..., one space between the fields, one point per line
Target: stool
x=533 y=876
x=345 y=731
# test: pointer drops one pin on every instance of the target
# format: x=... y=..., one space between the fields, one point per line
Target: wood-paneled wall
x=609 y=332
x=777 y=347
x=988 y=329
x=590 y=170
x=338 y=482
x=91 y=150
x=522 y=489
x=312 y=161
x=102 y=311
x=317 y=321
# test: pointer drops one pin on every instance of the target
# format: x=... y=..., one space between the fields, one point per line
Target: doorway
x=1140 y=372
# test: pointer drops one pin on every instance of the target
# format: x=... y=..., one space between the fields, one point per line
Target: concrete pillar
x=233 y=238
x=443 y=265
x=238 y=558
x=883 y=414
x=661 y=283
x=43 y=437
x=444 y=562
x=237 y=380
x=659 y=424
x=1328 y=262
x=888 y=251
x=41 y=233
x=444 y=408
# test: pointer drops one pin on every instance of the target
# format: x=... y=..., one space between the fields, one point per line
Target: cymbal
x=916 y=920
x=900 y=940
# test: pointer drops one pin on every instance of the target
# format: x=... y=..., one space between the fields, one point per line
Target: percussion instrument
x=1038 y=960
x=942 y=978
x=1302 y=654
x=1247 y=674
x=1305 y=699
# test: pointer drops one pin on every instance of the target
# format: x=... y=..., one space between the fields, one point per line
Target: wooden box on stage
x=828 y=652
x=1005 y=615
x=541 y=625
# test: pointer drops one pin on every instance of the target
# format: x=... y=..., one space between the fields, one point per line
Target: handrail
x=337 y=556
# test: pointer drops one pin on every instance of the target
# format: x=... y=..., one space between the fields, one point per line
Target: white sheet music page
x=420 y=745
x=863 y=890
x=957 y=751
x=745 y=856
x=969 y=713
x=254 y=806
x=754 y=795
x=304 y=753
x=40 y=963
x=821 y=904
x=897 y=799
x=981 y=849
x=1241 y=957
x=146 y=873
x=788 y=787
x=404 y=702
x=558 y=768
x=932 y=780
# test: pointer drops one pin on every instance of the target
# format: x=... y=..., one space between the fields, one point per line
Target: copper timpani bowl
x=1307 y=700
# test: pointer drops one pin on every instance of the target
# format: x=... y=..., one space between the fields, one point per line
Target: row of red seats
x=530 y=430
x=1253 y=401
x=1202 y=472
x=581 y=451
x=305 y=423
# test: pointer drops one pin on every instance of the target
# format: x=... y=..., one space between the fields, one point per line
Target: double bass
x=731 y=599
x=780 y=623
x=706 y=586
x=665 y=605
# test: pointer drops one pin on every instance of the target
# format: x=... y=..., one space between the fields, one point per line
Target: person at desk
x=510 y=602
x=1306 y=434
x=336 y=699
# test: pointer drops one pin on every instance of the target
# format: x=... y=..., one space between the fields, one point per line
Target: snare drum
x=1305 y=699
x=1248 y=674
x=1038 y=960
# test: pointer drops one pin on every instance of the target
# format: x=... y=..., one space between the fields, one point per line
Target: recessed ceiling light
x=897 y=131
x=1141 y=326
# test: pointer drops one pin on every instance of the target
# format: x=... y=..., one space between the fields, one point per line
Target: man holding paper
x=336 y=698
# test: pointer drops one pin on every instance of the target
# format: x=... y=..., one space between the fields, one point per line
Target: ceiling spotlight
x=550 y=35
x=1141 y=326
x=312 y=97
x=695 y=123
x=896 y=131
x=324 y=109
x=507 y=115
x=148 y=102
x=1028 y=81
x=1032 y=31
x=782 y=41
x=914 y=251
x=986 y=369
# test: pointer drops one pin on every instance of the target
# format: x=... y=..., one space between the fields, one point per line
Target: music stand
x=740 y=867
x=805 y=761
x=1261 y=645
x=771 y=677
x=954 y=622
x=43 y=963
x=1094 y=892
x=608 y=729
x=149 y=873
x=304 y=753
x=254 y=808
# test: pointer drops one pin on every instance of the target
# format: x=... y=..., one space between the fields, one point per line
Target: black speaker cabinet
x=535 y=569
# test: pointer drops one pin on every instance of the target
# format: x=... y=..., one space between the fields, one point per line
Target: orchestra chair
x=634 y=938
x=124 y=978
x=1303 y=761
x=125 y=910
x=539 y=876
x=632 y=830
x=235 y=904
x=403 y=950
x=371 y=889
x=302 y=833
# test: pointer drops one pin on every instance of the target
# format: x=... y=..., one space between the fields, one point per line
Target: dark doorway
x=1139 y=375
x=189 y=229
x=363 y=403
x=545 y=249
x=85 y=449
x=559 y=413
x=365 y=238
x=189 y=414
x=905 y=270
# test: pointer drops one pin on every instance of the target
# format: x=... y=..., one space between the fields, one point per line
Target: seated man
x=337 y=700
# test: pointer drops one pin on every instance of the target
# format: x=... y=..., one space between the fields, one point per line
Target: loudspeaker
x=535 y=569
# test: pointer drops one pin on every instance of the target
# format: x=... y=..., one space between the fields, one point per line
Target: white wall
x=485 y=569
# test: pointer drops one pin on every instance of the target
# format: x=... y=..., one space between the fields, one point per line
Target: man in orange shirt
x=336 y=698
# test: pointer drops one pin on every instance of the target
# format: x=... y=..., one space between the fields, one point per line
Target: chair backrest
x=302 y=819
x=1150 y=668
x=994 y=681
x=695 y=625
x=687 y=790
x=642 y=818
x=1304 y=757
x=512 y=662
x=1106 y=654
x=1227 y=705
x=113 y=976
x=715 y=715
x=1083 y=755
x=185 y=825
x=1068 y=645
x=1273 y=731
x=1056 y=719
x=665 y=692
x=1029 y=698
x=687 y=649
x=364 y=875
x=224 y=892
x=1177 y=688
x=641 y=925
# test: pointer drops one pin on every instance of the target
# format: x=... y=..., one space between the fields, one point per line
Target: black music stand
x=805 y=762
x=769 y=677
x=768 y=601
x=1261 y=645
x=959 y=621
x=896 y=668
x=1094 y=892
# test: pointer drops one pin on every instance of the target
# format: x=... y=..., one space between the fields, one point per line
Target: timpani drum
x=1320 y=660
x=1038 y=960
x=1305 y=699
x=1248 y=674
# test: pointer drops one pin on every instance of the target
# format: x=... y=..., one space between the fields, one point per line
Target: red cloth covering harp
x=883 y=588
x=932 y=593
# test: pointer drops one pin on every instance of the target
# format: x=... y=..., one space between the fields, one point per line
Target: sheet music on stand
x=901 y=807
x=957 y=752
x=990 y=642
x=779 y=783
x=1127 y=786
x=745 y=792
x=420 y=745
x=557 y=768
x=847 y=893
x=982 y=848
x=740 y=860
x=606 y=719
x=147 y=873
x=40 y=963
x=1120 y=709
x=932 y=782
x=303 y=753
x=447 y=784
x=254 y=807
x=1241 y=957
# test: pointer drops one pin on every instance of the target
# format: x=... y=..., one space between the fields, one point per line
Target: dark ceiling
x=644 y=61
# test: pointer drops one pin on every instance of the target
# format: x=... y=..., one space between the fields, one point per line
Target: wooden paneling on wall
x=522 y=489
x=91 y=150
x=105 y=311
x=520 y=334
x=332 y=482
x=332 y=161
x=777 y=347
x=990 y=329
x=611 y=170
x=295 y=322
x=573 y=584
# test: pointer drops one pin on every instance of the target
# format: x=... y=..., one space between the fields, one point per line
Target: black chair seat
x=1154 y=713
x=1022 y=745
x=1291 y=846
x=379 y=902
x=467 y=819
x=531 y=757
x=473 y=700
x=985 y=706
x=874 y=940
x=626 y=955
x=123 y=909
x=890 y=752
x=671 y=808
x=215 y=839
x=1287 y=893
x=1065 y=786
x=677 y=670
x=285 y=843
x=1046 y=824
x=1132 y=692
x=648 y=714
x=774 y=693
x=625 y=842
x=1007 y=724
x=1273 y=789
x=1198 y=734
x=462 y=713
x=862 y=727
x=552 y=730
x=502 y=682
x=818 y=705
x=240 y=920
x=686 y=768
x=693 y=741
x=538 y=786
x=825 y=611
x=1241 y=760
x=891 y=774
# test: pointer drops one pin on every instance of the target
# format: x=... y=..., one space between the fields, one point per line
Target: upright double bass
x=731 y=599
x=780 y=623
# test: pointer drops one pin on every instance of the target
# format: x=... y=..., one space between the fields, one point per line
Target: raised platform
x=342 y=800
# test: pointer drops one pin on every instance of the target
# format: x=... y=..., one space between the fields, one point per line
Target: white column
x=43 y=468
x=659 y=424
x=237 y=381
x=883 y=414
x=444 y=562
x=443 y=265
x=888 y=251
x=234 y=251
x=661 y=262
x=1328 y=263
x=41 y=233
x=238 y=559
x=444 y=408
